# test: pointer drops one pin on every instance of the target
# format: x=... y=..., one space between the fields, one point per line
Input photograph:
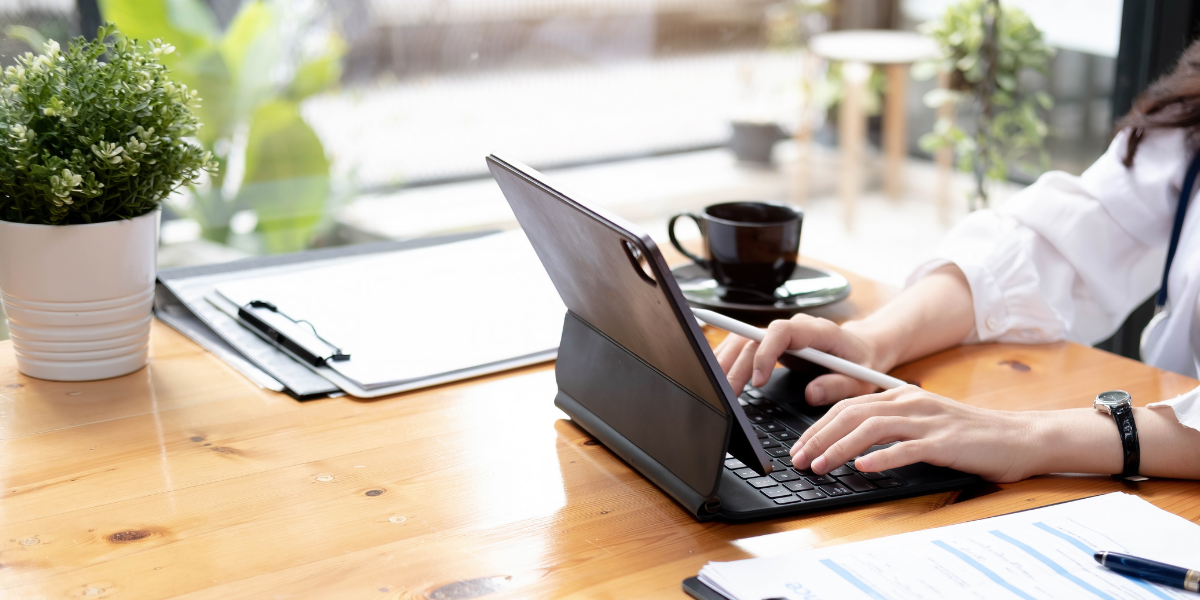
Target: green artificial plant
x=96 y=133
x=254 y=76
x=985 y=48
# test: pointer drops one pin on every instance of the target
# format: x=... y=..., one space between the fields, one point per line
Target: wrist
x=1078 y=440
x=881 y=346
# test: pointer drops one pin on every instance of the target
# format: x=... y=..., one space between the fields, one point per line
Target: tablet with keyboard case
x=636 y=372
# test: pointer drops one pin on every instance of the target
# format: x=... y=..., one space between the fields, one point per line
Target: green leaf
x=254 y=20
x=289 y=210
x=205 y=72
x=939 y=97
x=251 y=50
x=281 y=145
x=32 y=37
x=174 y=21
x=1044 y=100
x=316 y=76
x=193 y=18
x=287 y=176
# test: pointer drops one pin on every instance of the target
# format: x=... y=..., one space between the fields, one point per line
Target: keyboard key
x=788 y=475
x=789 y=499
x=775 y=492
x=798 y=486
x=762 y=482
x=759 y=418
x=842 y=472
x=728 y=455
x=857 y=483
x=811 y=494
x=750 y=410
x=769 y=443
x=874 y=475
x=889 y=483
x=787 y=443
x=761 y=435
x=806 y=472
x=785 y=436
x=771 y=427
x=777 y=452
x=821 y=479
x=753 y=393
x=783 y=463
x=850 y=465
x=734 y=463
x=836 y=489
x=745 y=473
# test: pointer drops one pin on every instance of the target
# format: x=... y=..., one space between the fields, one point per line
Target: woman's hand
x=745 y=361
x=997 y=445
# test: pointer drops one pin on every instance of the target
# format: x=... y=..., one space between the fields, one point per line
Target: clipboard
x=180 y=303
x=399 y=321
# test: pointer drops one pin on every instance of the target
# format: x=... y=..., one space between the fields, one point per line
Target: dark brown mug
x=752 y=247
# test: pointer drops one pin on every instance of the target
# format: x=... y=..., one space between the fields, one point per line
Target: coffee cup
x=752 y=247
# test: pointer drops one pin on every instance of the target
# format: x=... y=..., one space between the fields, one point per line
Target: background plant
x=985 y=49
x=254 y=76
x=86 y=140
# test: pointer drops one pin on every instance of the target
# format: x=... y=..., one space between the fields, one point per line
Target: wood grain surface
x=185 y=480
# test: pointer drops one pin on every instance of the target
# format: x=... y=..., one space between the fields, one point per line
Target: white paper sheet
x=1043 y=554
x=416 y=314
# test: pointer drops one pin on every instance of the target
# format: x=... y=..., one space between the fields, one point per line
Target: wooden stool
x=858 y=51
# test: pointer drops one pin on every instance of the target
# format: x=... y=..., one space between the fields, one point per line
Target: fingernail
x=817 y=395
x=818 y=465
x=757 y=379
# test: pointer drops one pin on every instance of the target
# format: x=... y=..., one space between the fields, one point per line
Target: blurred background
x=360 y=120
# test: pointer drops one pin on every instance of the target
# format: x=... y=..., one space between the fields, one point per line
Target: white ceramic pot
x=78 y=297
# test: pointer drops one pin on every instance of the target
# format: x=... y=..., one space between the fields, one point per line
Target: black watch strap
x=1123 y=415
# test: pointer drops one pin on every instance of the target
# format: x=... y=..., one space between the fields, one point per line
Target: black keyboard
x=777 y=430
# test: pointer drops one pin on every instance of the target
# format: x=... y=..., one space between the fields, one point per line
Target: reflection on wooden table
x=185 y=479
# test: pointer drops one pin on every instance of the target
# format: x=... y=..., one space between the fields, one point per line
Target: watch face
x=1113 y=399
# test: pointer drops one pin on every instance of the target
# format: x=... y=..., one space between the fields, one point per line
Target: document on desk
x=1041 y=554
x=443 y=312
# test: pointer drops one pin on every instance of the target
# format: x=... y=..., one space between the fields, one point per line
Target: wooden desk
x=184 y=479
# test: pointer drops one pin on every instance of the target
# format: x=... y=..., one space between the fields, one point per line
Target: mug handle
x=675 y=242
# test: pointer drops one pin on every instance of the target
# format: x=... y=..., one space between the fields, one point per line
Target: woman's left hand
x=997 y=445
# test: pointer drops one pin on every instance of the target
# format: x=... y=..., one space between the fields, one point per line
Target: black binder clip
x=287 y=333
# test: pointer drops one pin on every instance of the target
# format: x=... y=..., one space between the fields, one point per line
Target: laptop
x=635 y=371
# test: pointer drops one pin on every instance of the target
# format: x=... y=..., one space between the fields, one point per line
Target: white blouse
x=1070 y=257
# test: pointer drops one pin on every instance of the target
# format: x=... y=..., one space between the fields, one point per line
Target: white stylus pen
x=828 y=361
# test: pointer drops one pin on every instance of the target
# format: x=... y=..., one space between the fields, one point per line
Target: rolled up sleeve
x=1069 y=257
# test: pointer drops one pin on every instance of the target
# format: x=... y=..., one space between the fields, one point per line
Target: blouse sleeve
x=1070 y=257
x=1186 y=407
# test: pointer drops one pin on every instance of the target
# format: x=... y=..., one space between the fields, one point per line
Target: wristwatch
x=1119 y=404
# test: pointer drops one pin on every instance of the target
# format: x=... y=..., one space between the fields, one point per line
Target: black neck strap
x=1185 y=194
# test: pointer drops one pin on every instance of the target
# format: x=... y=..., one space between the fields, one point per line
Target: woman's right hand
x=745 y=361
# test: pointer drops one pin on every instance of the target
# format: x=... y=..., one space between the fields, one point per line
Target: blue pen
x=1150 y=570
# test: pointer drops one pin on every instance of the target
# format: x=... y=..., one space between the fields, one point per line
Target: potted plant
x=985 y=49
x=92 y=139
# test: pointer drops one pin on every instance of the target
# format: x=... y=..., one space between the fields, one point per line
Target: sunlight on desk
x=774 y=544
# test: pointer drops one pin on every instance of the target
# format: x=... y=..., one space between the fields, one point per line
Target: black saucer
x=808 y=288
